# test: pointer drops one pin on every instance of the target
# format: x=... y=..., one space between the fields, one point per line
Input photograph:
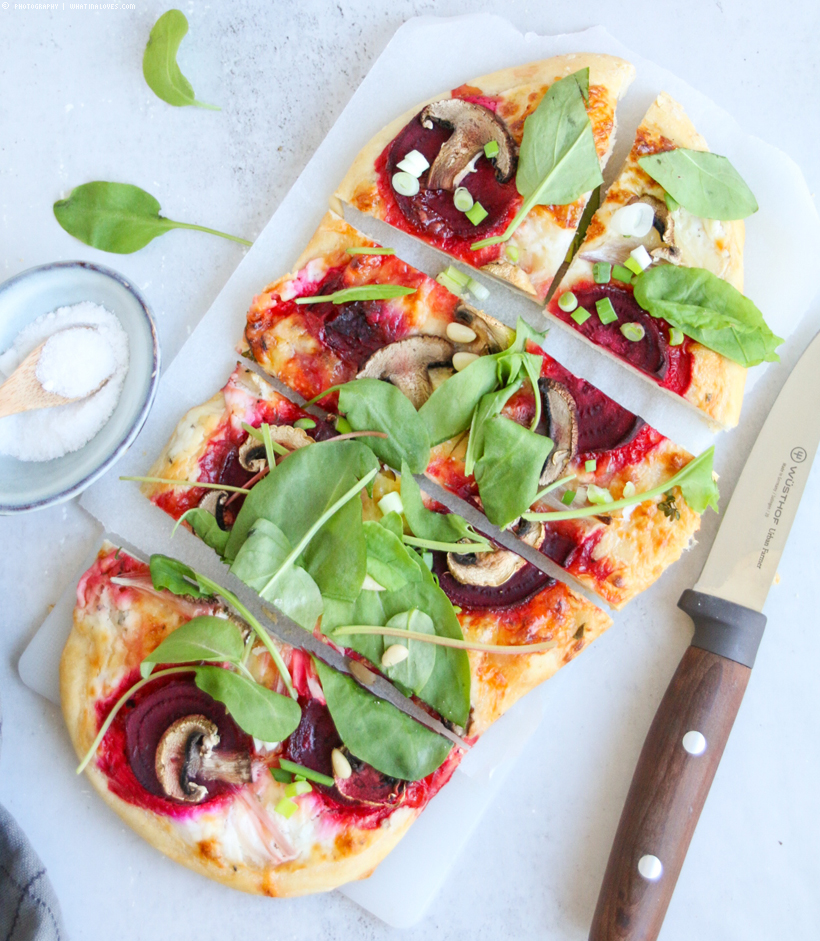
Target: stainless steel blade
x=744 y=557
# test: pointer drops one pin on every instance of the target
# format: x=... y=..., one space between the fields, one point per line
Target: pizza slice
x=618 y=556
x=657 y=280
x=497 y=172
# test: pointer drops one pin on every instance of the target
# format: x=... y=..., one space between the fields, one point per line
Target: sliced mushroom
x=473 y=126
x=186 y=751
x=506 y=271
x=659 y=241
x=252 y=456
x=491 y=335
x=494 y=568
x=560 y=422
x=407 y=364
x=214 y=503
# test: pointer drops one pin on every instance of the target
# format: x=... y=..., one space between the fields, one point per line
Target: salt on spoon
x=70 y=365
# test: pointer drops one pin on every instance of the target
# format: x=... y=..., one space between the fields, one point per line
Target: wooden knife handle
x=675 y=770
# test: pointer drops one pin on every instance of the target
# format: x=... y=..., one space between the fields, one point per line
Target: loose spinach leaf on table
x=378 y=733
x=203 y=638
x=159 y=62
x=118 y=217
x=259 y=565
x=709 y=310
x=205 y=526
x=705 y=184
x=427 y=524
x=557 y=161
x=375 y=405
x=507 y=473
x=256 y=709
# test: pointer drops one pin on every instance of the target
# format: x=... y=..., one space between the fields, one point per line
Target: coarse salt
x=75 y=362
x=48 y=433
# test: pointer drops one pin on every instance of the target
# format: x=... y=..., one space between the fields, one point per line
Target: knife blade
x=689 y=732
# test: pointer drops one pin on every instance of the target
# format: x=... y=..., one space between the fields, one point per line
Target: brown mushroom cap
x=494 y=568
x=491 y=335
x=560 y=420
x=214 y=503
x=186 y=751
x=252 y=454
x=473 y=126
x=406 y=364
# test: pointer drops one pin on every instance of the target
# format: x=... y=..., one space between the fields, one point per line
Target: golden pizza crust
x=717 y=383
x=545 y=236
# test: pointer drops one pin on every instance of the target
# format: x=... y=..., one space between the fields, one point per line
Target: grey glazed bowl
x=28 y=485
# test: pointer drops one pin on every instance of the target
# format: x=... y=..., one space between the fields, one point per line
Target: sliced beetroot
x=156 y=707
x=526 y=582
x=433 y=211
x=311 y=746
x=648 y=354
x=603 y=425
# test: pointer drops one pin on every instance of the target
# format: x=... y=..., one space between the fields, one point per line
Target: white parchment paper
x=427 y=56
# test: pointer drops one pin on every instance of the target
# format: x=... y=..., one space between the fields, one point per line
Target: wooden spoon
x=23 y=392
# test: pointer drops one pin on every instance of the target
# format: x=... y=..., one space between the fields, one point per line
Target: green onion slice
x=491 y=148
x=675 y=336
x=606 y=312
x=568 y=302
x=620 y=273
x=633 y=331
x=591 y=466
x=633 y=266
x=512 y=253
x=602 y=272
x=462 y=199
x=568 y=497
x=369 y=250
x=364 y=292
x=477 y=214
x=307 y=773
x=405 y=183
x=286 y=807
x=305 y=423
x=581 y=315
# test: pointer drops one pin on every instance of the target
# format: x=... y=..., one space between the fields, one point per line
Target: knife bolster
x=723 y=627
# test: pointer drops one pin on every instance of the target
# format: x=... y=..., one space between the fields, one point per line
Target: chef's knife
x=690 y=729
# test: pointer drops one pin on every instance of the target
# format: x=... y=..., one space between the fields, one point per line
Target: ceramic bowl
x=29 y=485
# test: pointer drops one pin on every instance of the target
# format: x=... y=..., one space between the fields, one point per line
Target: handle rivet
x=650 y=867
x=694 y=743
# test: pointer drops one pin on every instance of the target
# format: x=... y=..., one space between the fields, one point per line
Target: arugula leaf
x=364 y=292
x=159 y=62
x=118 y=217
x=705 y=184
x=388 y=560
x=708 y=310
x=377 y=732
x=557 y=161
x=696 y=482
x=256 y=709
x=205 y=638
x=449 y=410
x=258 y=565
x=176 y=576
x=415 y=670
x=524 y=333
x=509 y=469
x=375 y=405
x=205 y=526
x=429 y=525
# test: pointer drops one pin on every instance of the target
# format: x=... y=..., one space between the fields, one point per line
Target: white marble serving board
x=427 y=56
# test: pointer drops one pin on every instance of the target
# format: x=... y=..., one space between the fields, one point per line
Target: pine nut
x=462 y=360
x=394 y=654
x=459 y=333
x=341 y=766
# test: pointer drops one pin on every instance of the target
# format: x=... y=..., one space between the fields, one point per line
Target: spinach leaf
x=159 y=62
x=705 y=184
x=205 y=638
x=524 y=333
x=388 y=560
x=256 y=709
x=377 y=732
x=708 y=310
x=696 y=482
x=489 y=406
x=392 y=522
x=118 y=217
x=175 y=576
x=507 y=473
x=296 y=494
x=429 y=525
x=362 y=292
x=258 y=564
x=582 y=77
x=414 y=671
x=557 y=162
x=205 y=526
x=374 y=405
x=449 y=410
